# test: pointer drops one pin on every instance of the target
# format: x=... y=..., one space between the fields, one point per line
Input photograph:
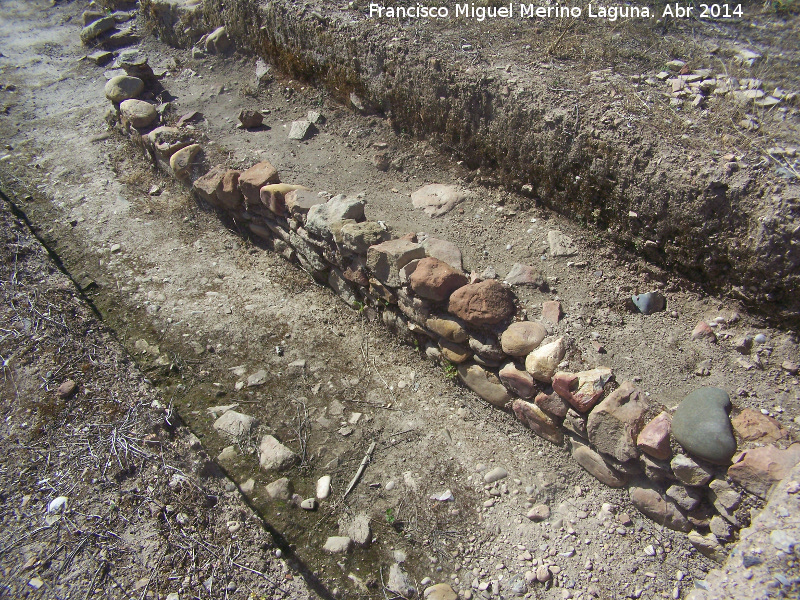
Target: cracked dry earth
x=193 y=317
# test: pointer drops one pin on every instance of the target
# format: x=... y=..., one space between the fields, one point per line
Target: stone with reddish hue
x=67 y=389
x=356 y=271
x=653 y=505
x=614 y=423
x=551 y=311
x=689 y=471
x=596 y=466
x=228 y=194
x=526 y=275
x=436 y=280
x=757 y=470
x=522 y=338
x=250 y=118
x=386 y=259
x=299 y=202
x=484 y=303
x=752 y=426
x=443 y=250
x=702 y=426
x=538 y=421
x=543 y=362
x=485 y=384
x=552 y=403
x=703 y=331
x=654 y=438
x=454 y=352
x=519 y=382
x=448 y=328
x=207 y=186
x=253 y=179
x=583 y=389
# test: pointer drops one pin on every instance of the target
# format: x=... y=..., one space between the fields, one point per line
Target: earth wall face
x=728 y=231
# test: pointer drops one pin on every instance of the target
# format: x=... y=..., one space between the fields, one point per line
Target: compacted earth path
x=188 y=413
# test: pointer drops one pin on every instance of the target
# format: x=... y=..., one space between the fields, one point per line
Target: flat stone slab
x=437 y=200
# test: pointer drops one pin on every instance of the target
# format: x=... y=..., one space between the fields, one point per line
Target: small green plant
x=359 y=306
x=390 y=518
x=450 y=370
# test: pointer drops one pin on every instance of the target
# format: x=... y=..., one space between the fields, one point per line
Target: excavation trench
x=556 y=118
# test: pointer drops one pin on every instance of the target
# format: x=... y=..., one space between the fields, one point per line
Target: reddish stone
x=484 y=303
x=752 y=426
x=654 y=438
x=274 y=201
x=356 y=272
x=67 y=389
x=551 y=311
x=229 y=195
x=253 y=179
x=703 y=331
x=584 y=389
x=552 y=403
x=435 y=279
x=207 y=186
x=538 y=421
x=759 y=469
x=519 y=382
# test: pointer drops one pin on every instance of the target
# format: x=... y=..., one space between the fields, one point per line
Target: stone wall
x=682 y=469
x=722 y=230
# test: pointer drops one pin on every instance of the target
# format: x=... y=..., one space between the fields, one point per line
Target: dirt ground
x=199 y=309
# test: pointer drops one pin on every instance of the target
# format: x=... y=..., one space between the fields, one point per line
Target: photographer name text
x=607 y=12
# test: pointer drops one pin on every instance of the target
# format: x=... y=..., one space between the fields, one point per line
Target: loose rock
x=67 y=389
x=561 y=244
x=704 y=332
x=97 y=28
x=526 y=275
x=234 y=423
x=250 y=118
x=495 y=474
x=218 y=41
x=337 y=545
x=440 y=591
x=280 y=489
x=649 y=303
x=138 y=113
x=752 y=426
x=181 y=161
x=399 y=582
x=301 y=130
x=437 y=200
x=275 y=456
x=323 y=487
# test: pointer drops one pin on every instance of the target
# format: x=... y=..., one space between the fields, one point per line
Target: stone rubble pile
x=683 y=469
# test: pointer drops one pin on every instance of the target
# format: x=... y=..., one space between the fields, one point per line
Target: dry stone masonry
x=683 y=469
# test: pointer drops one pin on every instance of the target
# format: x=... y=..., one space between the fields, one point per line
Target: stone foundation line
x=679 y=466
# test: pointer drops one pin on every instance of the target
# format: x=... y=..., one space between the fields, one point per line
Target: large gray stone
x=702 y=426
x=320 y=217
x=97 y=28
x=234 y=423
x=689 y=471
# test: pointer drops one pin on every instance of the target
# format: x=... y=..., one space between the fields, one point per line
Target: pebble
x=323 y=487
x=67 y=389
x=542 y=574
x=495 y=474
